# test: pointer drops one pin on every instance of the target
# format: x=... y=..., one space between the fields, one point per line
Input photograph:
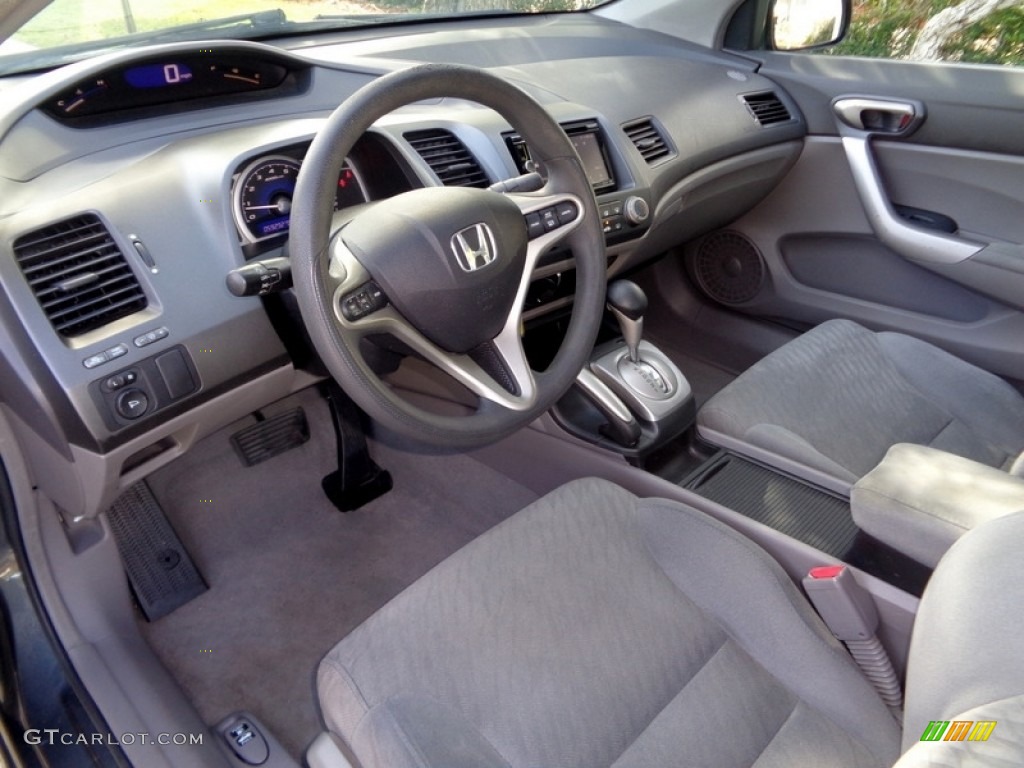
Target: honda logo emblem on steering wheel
x=474 y=247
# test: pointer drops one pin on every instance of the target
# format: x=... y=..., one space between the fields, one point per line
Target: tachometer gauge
x=263 y=195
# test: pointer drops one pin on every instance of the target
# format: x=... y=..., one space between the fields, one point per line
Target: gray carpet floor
x=289 y=575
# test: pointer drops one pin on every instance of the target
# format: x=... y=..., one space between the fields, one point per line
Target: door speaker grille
x=728 y=267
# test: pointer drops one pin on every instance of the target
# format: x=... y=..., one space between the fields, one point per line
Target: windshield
x=66 y=30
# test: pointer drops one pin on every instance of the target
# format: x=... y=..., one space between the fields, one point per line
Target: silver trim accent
x=650 y=409
x=911 y=242
x=600 y=391
x=470 y=257
x=850 y=110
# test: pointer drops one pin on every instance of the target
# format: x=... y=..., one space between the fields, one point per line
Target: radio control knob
x=636 y=210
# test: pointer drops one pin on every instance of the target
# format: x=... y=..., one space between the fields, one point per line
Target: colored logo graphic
x=958 y=730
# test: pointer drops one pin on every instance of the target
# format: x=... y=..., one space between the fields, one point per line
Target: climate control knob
x=636 y=210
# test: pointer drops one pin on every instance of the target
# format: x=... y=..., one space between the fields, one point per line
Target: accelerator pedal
x=358 y=479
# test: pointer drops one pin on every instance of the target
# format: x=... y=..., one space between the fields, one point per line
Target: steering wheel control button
x=149 y=338
x=362 y=302
x=534 y=226
x=566 y=212
x=132 y=404
x=549 y=219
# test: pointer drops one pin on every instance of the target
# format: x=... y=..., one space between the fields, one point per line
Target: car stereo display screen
x=588 y=146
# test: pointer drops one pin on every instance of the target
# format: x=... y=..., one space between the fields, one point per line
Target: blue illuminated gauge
x=263 y=195
x=158 y=75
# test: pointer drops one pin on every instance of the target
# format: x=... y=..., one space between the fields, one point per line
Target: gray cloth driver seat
x=829 y=404
x=594 y=628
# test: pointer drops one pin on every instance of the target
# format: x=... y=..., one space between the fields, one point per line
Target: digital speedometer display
x=264 y=190
x=158 y=75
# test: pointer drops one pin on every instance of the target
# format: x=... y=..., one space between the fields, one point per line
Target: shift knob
x=628 y=299
x=628 y=302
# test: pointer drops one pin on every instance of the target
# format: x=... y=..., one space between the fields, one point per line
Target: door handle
x=895 y=118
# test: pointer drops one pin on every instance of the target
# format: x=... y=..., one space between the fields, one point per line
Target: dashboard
x=133 y=183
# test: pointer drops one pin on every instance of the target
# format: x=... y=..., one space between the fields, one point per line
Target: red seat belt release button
x=843 y=604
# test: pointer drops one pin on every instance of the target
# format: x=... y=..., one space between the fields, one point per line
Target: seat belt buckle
x=850 y=614
x=843 y=604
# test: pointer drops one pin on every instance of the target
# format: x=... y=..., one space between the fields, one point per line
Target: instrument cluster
x=263 y=190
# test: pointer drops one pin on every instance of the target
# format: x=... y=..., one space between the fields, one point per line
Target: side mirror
x=797 y=25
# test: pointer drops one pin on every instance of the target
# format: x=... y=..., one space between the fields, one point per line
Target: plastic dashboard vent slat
x=648 y=140
x=79 y=275
x=448 y=157
x=767 y=108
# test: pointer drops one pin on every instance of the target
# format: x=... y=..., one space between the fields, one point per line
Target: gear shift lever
x=628 y=302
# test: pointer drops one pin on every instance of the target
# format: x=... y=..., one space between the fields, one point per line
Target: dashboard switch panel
x=176 y=374
x=132 y=404
x=126 y=396
x=149 y=338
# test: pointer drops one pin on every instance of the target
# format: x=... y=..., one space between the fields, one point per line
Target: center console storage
x=805 y=513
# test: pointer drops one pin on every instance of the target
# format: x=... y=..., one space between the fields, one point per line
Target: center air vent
x=78 y=274
x=767 y=108
x=648 y=140
x=448 y=157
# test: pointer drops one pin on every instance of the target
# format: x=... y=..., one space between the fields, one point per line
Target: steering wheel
x=445 y=269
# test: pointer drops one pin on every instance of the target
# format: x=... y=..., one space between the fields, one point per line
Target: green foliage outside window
x=974 y=31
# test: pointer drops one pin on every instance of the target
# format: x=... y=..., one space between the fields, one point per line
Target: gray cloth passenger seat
x=595 y=628
x=829 y=404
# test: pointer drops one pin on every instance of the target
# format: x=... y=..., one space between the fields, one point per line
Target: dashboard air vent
x=448 y=157
x=647 y=139
x=767 y=108
x=78 y=274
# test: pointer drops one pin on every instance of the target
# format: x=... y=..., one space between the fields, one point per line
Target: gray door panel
x=823 y=260
x=827 y=251
x=969 y=106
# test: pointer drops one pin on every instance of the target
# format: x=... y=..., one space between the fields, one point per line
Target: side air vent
x=648 y=140
x=767 y=108
x=448 y=157
x=78 y=274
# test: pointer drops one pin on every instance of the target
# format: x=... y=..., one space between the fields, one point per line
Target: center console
x=631 y=397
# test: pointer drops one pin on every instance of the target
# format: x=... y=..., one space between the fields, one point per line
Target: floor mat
x=289 y=575
x=162 y=575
